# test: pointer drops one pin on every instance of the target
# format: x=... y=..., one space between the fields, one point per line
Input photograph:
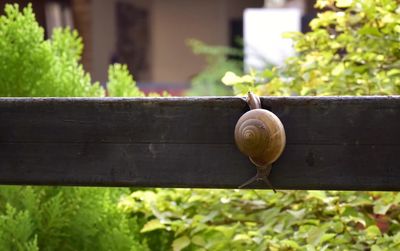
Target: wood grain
x=340 y=143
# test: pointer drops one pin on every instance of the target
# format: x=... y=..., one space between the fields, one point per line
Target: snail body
x=260 y=135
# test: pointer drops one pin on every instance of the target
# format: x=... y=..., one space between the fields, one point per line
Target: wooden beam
x=340 y=143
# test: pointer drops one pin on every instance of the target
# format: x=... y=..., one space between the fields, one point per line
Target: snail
x=260 y=135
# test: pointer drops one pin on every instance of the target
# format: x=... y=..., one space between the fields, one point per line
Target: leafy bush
x=120 y=82
x=32 y=66
x=54 y=218
x=208 y=81
x=261 y=220
x=65 y=219
x=35 y=67
x=353 y=49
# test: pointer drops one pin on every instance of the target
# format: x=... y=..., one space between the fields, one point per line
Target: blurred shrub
x=200 y=219
x=121 y=83
x=35 y=67
x=353 y=49
x=50 y=218
x=54 y=218
x=208 y=81
x=32 y=66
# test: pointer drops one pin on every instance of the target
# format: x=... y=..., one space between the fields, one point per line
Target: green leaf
x=339 y=68
x=152 y=225
x=327 y=237
x=310 y=247
x=315 y=235
x=180 y=243
x=381 y=208
x=198 y=240
x=291 y=244
x=397 y=28
x=368 y=30
x=231 y=78
x=338 y=227
x=228 y=231
x=373 y=231
x=297 y=214
x=321 y=195
x=344 y=3
x=393 y=72
x=241 y=237
x=375 y=248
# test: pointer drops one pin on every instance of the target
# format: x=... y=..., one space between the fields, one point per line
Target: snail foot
x=255 y=178
x=266 y=180
x=262 y=175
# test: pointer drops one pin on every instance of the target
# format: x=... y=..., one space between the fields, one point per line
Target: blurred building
x=149 y=35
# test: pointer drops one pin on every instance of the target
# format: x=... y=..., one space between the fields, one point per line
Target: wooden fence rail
x=340 y=143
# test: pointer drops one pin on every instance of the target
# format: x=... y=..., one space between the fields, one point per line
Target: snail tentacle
x=253 y=101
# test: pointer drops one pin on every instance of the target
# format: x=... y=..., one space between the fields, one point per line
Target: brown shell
x=260 y=135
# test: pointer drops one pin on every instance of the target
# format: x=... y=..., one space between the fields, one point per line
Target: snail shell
x=260 y=135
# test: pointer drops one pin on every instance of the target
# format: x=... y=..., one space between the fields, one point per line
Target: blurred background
x=197 y=47
x=152 y=37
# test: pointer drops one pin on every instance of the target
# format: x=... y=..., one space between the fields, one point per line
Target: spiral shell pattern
x=260 y=135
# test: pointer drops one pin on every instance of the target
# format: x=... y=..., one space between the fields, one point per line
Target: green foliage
x=261 y=220
x=65 y=219
x=353 y=49
x=208 y=82
x=53 y=218
x=121 y=83
x=32 y=66
x=35 y=67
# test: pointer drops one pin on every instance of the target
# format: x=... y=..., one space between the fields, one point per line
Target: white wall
x=263 y=30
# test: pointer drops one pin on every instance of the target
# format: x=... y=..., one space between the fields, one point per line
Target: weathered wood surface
x=341 y=143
